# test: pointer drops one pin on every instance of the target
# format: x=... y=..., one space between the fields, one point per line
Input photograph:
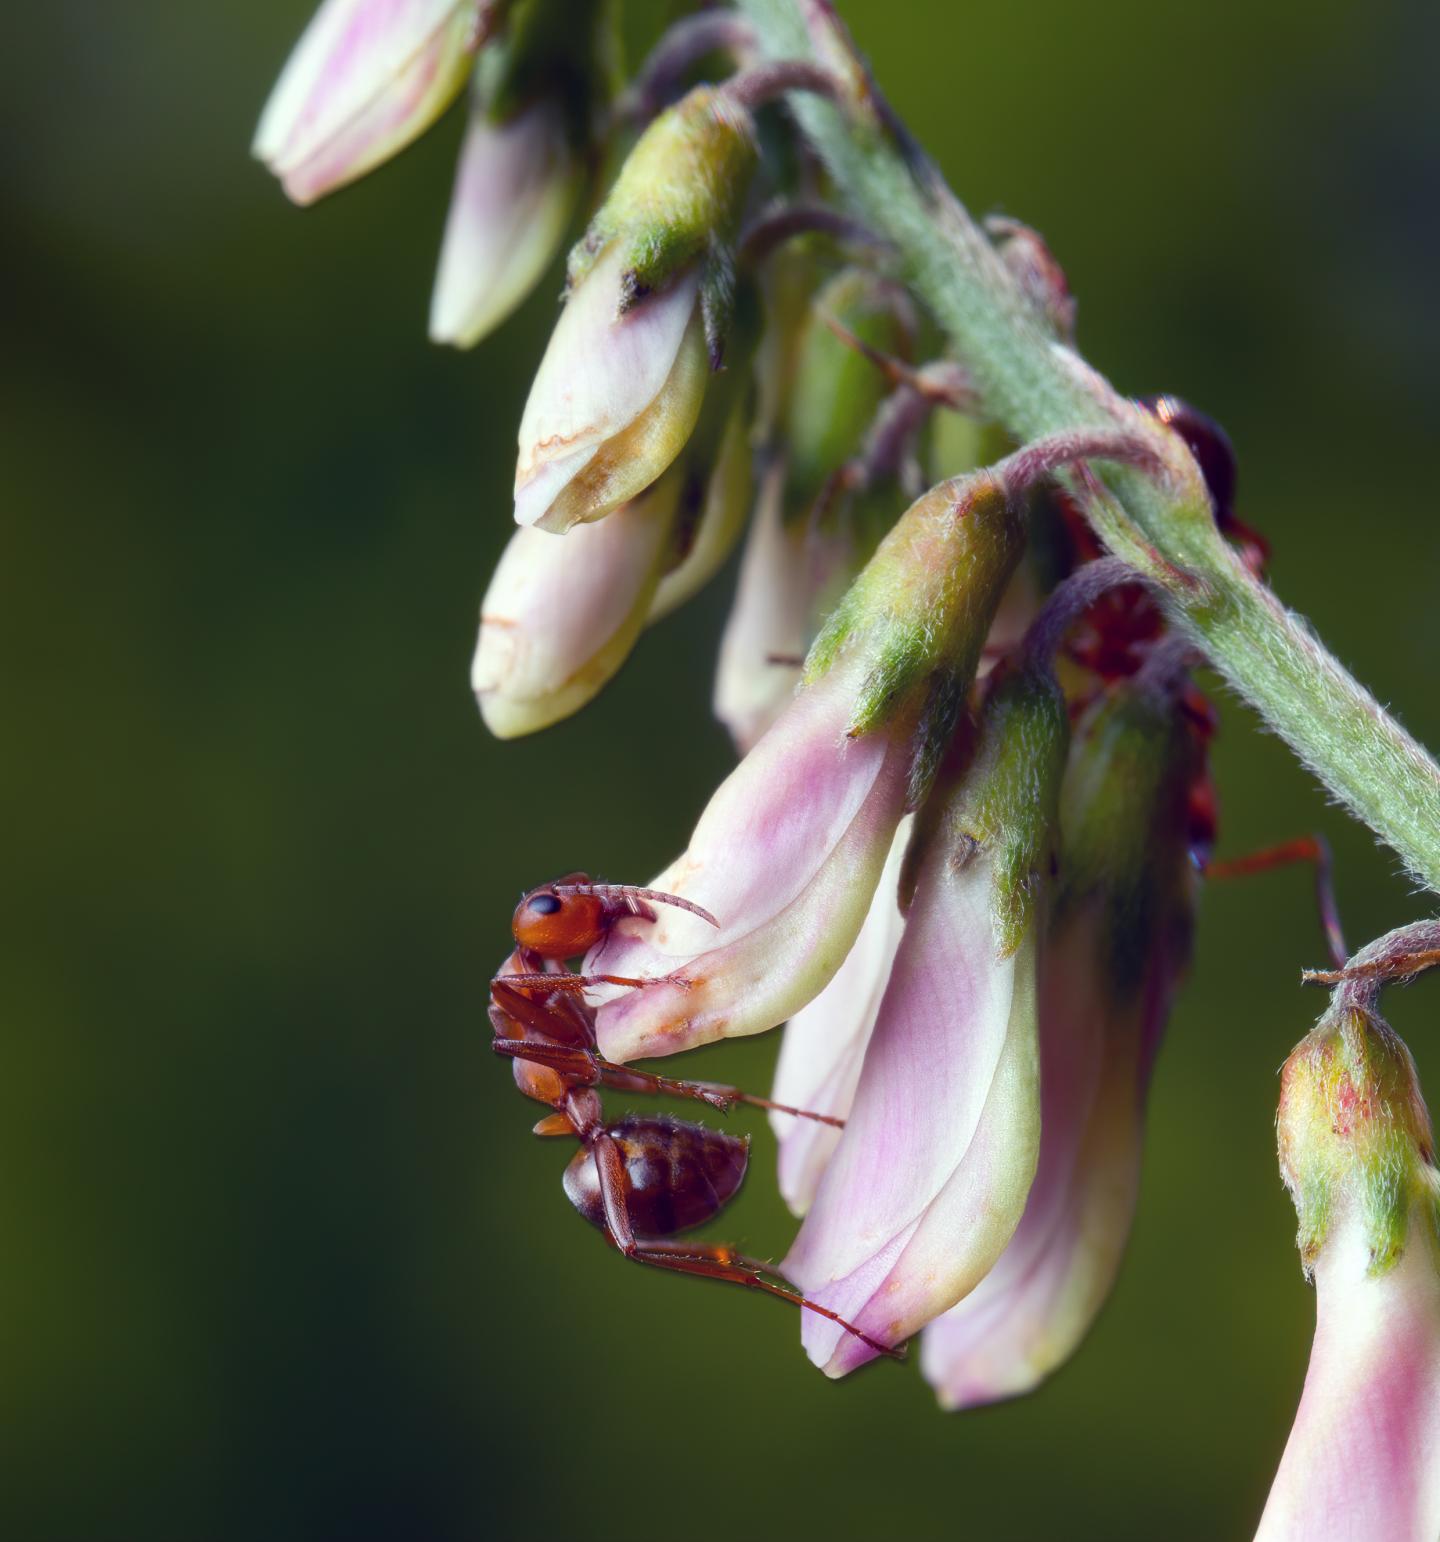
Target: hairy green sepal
x=676 y=199
x=1008 y=805
x=1355 y=1137
x=918 y=614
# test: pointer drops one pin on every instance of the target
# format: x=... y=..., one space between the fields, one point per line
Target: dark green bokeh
x=280 y=1257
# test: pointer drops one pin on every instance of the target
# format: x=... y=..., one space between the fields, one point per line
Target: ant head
x=558 y=925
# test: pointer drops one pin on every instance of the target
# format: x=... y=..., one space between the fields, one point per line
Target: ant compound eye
x=544 y=904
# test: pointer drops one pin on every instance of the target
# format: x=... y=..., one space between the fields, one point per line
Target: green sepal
x=918 y=614
x=677 y=194
x=1008 y=804
x=1355 y=1136
x=1123 y=814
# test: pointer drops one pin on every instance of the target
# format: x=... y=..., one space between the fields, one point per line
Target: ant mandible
x=644 y=1178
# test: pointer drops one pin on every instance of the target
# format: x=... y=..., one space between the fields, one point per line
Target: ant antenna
x=625 y=891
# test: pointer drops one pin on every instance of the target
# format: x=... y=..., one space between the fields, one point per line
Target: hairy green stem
x=1033 y=385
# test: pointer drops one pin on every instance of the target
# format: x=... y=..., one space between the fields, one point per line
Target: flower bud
x=514 y=189
x=619 y=389
x=930 y=1176
x=790 y=848
x=1357 y=1154
x=1117 y=942
x=367 y=77
x=824 y=1044
x=562 y=613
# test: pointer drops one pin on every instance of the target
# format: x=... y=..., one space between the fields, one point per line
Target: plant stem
x=1033 y=384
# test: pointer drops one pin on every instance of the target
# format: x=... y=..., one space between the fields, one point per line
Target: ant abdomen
x=677 y=1175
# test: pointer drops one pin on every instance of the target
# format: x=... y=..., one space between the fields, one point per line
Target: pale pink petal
x=514 y=189
x=367 y=77
x=824 y=1044
x=563 y=611
x=600 y=371
x=767 y=631
x=786 y=857
x=1363 y=1459
x=930 y=1177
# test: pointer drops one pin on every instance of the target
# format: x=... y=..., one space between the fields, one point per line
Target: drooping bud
x=1358 y=1156
x=790 y=848
x=1117 y=943
x=825 y=1042
x=366 y=78
x=531 y=106
x=514 y=189
x=931 y=1174
x=562 y=612
x=621 y=383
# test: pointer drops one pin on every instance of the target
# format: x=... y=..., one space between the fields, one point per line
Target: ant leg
x=711 y=1262
x=1305 y=848
x=716 y=1094
x=579 y=982
x=577 y=1064
x=561 y=1018
x=721 y=1262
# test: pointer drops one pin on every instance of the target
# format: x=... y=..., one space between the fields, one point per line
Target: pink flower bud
x=931 y=1173
x=514 y=189
x=1357 y=1153
x=786 y=855
x=615 y=398
x=1363 y=1458
x=562 y=613
x=824 y=1045
x=1027 y=1316
x=930 y=1176
x=789 y=851
x=1118 y=944
x=367 y=77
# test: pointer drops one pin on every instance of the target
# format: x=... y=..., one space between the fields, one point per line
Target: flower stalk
x=1034 y=385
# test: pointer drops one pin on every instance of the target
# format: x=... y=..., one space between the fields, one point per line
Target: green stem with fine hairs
x=1033 y=385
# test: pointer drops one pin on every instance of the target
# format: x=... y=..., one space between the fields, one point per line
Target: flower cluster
x=960 y=851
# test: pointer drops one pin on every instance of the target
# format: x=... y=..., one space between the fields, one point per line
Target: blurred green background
x=280 y=1258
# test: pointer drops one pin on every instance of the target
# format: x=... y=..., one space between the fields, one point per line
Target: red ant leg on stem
x=1305 y=848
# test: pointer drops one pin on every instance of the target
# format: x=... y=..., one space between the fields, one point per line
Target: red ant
x=641 y=1179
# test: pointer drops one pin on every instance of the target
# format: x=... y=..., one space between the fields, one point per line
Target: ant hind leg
x=1305 y=848
x=719 y=1261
